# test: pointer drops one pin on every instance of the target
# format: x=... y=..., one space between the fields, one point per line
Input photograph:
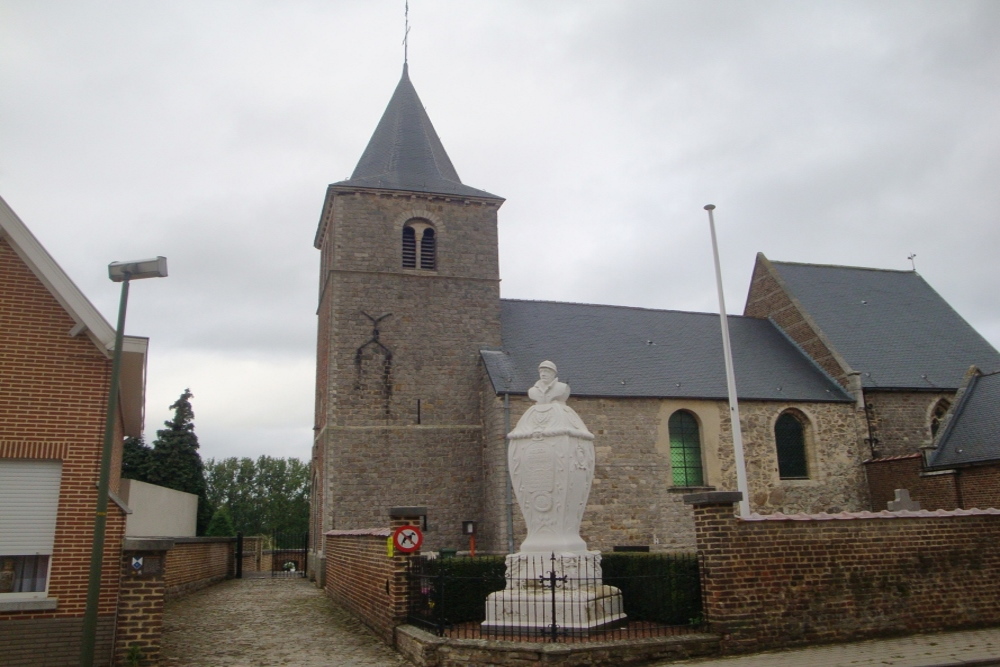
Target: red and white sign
x=407 y=539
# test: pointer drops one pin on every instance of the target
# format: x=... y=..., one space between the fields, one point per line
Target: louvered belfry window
x=790 y=440
x=409 y=248
x=419 y=245
x=685 y=449
x=427 y=250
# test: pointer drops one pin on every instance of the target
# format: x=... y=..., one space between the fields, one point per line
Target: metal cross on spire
x=406 y=33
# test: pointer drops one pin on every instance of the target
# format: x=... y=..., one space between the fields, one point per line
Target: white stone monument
x=551 y=459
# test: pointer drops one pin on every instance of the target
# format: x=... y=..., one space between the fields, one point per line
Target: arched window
x=419 y=245
x=685 y=449
x=790 y=439
x=937 y=415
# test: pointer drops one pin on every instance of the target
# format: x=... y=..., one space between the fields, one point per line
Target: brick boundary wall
x=140 y=601
x=773 y=581
x=197 y=562
x=933 y=492
x=966 y=488
x=362 y=577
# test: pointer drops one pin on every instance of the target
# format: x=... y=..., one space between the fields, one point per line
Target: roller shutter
x=29 y=500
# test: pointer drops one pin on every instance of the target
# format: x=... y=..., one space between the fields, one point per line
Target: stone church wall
x=399 y=422
x=633 y=501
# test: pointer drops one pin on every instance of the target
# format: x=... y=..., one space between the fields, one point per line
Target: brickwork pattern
x=976 y=487
x=932 y=492
x=362 y=577
x=788 y=582
x=901 y=421
x=53 y=641
x=768 y=299
x=52 y=406
x=198 y=562
x=398 y=419
x=140 y=608
x=979 y=486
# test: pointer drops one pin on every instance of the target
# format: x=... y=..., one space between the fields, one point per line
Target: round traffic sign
x=407 y=539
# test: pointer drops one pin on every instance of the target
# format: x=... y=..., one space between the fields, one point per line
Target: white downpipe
x=734 y=408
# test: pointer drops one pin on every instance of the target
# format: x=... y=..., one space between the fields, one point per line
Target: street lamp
x=119 y=272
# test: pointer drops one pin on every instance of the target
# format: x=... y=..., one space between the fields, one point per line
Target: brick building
x=422 y=368
x=55 y=368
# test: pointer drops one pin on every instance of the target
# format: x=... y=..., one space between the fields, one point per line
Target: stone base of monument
x=542 y=589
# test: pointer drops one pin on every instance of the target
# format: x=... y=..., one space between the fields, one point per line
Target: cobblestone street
x=251 y=622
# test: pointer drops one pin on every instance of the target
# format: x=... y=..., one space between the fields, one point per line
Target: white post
x=734 y=408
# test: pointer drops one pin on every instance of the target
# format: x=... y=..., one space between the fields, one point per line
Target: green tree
x=221 y=524
x=137 y=459
x=264 y=496
x=175 y=461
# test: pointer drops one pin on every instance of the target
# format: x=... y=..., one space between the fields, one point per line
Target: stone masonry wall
x=633 y=500
x=398 y=421
x=492 y=530
x=784 y=581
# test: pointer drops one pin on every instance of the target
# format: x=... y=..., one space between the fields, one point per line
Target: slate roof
x=889 y=325
x=616 y=351
x=973 y=433
x=405 y=152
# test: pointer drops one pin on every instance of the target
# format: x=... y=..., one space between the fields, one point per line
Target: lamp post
x=119 y=272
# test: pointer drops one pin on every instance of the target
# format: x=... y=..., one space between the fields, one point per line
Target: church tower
x=408 y=295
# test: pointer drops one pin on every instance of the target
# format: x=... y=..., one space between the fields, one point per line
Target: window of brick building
x=419 y=245
x=790 y=440
x=685 y=449
x=29 y=498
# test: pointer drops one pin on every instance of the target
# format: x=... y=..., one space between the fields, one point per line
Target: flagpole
x=734 y=408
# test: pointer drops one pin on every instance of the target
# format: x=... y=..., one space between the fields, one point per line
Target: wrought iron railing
x=556 y=599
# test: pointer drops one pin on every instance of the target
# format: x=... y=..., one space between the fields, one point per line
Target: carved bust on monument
x=551 y=457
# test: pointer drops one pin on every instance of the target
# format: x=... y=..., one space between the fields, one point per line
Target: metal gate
x=289 y=552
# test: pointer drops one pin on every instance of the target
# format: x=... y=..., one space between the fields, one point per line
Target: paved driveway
x=251 y=622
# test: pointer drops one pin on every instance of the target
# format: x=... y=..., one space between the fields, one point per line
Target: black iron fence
x=289 y=553
x=553 y=598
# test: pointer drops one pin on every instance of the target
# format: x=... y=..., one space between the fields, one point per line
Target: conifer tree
x=175 y=461
x=137 y=459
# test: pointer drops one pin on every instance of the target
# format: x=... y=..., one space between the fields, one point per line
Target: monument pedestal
x=553 y=583
x=566 y=589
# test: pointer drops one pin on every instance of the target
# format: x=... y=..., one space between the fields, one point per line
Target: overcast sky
x=853 y=133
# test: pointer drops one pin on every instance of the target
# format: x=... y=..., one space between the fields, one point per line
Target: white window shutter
x=29 y=500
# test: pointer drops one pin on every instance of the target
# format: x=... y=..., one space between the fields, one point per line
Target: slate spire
x=405 y=152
